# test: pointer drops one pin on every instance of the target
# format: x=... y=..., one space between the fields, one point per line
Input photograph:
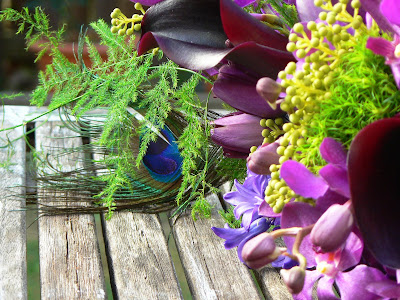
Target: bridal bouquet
x=313 y=86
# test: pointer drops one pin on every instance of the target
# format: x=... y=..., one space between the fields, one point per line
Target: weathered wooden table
x=137 y=250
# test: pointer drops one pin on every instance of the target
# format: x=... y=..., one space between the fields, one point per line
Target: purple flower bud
x=294 y=279
x=260 y=160
x=237 y=133
x=269 y=89
x=332 y=228
x=260 y=251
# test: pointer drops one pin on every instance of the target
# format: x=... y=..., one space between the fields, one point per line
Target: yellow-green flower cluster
x=121 y=22
x=319 y=47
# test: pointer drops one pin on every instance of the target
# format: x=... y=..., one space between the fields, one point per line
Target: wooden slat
x=13 y=282
x=139 y=261
x=212 y=272
x=70 y=265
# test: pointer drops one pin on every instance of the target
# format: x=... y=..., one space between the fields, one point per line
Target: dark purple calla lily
x=373 y=165
x=238 y=133
x=193 y=34
x=238 y=89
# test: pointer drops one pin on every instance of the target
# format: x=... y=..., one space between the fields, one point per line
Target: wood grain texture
x=212 y=272
x=13 y=281
x=139 y=261
x=70 y=266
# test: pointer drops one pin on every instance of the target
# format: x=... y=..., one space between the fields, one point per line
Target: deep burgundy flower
x=194 y=35
x=374 y=164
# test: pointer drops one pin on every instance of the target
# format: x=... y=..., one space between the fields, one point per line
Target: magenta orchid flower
x=387 y=14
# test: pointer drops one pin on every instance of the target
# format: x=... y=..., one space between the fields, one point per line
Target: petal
x=352 y=285
x=325 y=289
x=395 y=66
x=186 y=54
x=243 y=3
x=380 y=46
x=240 y=27
x=351 y=253
x=299 y=214
x=260 y=160
x=147 y=2
x=385 y=288
x=374 y=164
x=372 y=7
x=336 y=178
x=307 y=10
x=265 y=210
x=306 y=293
x=232 y=236
x=238 y=89
x=237 y=137
x=196 y=22
x=391 y=10
x=302 y=181
x=333 y=152
x=237 y=118
x=258 y=226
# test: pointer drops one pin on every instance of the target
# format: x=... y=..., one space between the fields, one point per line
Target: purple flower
x=331 y=267
x=237 y=87
x=374 y=165
x=237 y=133
x=194 y=35
x=239 y=236
x=248 y=198
x=387 y=15
x=332 y=228
x=331 y=187
x=260 y=160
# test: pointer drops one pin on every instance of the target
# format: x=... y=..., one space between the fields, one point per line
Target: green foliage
x=139 y=95
x=229 y=217
x=363 y=91
x=287 y=12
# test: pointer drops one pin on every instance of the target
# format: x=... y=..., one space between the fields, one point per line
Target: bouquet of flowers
x=314 y=88
x=316 y=105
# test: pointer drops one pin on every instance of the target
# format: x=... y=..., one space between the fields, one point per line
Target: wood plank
x=138 y=257
x=70 y=265
x=212 y=272
x=13 y=281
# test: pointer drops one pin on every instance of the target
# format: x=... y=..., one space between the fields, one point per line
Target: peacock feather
x=147 y=150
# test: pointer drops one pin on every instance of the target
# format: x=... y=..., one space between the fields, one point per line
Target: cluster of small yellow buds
x=120 y=22
x=319 y=46
x=273 y=129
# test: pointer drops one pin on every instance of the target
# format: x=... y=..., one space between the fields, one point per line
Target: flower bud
x=294 y=279
x=260 y=251
x=332 y=228
x=265 y=156
x=269 y=89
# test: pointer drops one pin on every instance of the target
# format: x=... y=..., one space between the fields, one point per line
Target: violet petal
x=333 y=152
x=300 y=214
x=240 y=27
x=336 y=178
x=352 y=284
x=391 y=10
x=324 y=289
x=302 y=181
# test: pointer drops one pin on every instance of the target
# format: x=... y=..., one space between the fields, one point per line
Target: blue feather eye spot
x=163 y=160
